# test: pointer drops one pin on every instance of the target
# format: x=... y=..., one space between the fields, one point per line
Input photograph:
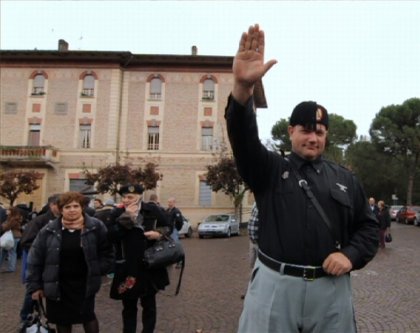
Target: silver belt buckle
x=307 y=276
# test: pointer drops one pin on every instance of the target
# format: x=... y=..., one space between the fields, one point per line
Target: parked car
x=219 y=225
x=407 y=214
x=186 y=230
x=393 y=210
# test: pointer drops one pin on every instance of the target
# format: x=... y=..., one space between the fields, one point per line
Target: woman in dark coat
x=65 y=265
x=384 y=219
x=136 y=227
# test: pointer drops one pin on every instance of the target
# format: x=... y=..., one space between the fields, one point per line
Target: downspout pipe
x=123 y=67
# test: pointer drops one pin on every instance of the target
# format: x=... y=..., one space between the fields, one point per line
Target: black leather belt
x=308 y=273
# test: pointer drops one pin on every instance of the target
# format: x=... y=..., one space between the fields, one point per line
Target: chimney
x=194 y=50
x=63 y=45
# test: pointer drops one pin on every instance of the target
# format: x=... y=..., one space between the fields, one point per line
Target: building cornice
x=124 y=60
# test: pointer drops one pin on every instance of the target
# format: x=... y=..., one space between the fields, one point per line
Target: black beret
x=131 y=188
x=308 y=114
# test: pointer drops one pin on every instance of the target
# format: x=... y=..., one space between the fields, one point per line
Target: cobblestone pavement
x=386 y=292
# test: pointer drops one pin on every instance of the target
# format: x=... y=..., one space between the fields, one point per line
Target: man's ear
x=290 y=130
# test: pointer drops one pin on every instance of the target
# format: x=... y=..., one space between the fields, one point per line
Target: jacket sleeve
x=363 y=241
x=36 y=263
x=163 y=223
x=388 y=219
x=105 y=249
x=115 y=230
x=30 y=232
x=252 y=158
x=178 y=220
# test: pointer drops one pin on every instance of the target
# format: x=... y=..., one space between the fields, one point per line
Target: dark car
x=407 y=214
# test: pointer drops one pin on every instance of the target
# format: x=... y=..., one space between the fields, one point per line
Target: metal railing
x=88 y=92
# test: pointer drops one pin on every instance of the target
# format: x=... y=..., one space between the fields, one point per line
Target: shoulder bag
x=166 y=252
x=7 y=241
x=163 y=253
x=37 y=321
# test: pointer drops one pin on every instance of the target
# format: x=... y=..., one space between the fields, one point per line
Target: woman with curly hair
x=66 y=262
x=13 y=222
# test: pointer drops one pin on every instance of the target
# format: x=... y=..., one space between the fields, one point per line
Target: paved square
x=386 y=292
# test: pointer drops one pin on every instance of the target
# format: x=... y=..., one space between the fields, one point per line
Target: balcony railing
x=208 y=95
x=88 y=92
x=155 y=96
x=28 y=155
x=38 y=91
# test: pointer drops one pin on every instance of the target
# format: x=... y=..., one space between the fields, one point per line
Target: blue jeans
x=28 y=303
x=11 y=255
x=175 y=235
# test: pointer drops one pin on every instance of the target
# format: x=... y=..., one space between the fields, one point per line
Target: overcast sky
x=352 y=57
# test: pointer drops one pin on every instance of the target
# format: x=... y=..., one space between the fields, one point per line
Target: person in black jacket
x=28 y=236
x=136 y=227
x=373 y=206
x=105 y=213
x=301 y=280
x=66 y=262
x=384 y=219
x=175 y=218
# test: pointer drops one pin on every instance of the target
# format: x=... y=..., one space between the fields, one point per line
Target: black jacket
x=290 y=228
x=105 y=215
x=175 y=217
x=33 y=227
x=128 y=237
x=44 y=257
x=384 y=218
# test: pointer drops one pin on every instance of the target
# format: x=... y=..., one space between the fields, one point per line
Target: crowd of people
x=71 y=244
x=113 y=245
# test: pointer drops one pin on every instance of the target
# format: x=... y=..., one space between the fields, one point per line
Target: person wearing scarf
x=65 y=265
x=135 y=227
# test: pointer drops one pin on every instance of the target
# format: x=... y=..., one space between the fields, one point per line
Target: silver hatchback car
x=219 y=225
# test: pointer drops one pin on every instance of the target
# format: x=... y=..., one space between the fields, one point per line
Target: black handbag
x=163 y=253
x=388 y=238
x=166 y=252
x=37 y=322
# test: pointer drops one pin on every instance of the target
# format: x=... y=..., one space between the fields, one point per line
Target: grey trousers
x=277 y=303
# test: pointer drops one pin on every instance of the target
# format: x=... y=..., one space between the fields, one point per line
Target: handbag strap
x=178 y=286
x=304 y=185
x=43 y=314
x=41 y=308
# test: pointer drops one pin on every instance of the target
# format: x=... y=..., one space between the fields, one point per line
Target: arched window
x=156 y=88
x=88 y=85
x=208 y=89
x=38 y=87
